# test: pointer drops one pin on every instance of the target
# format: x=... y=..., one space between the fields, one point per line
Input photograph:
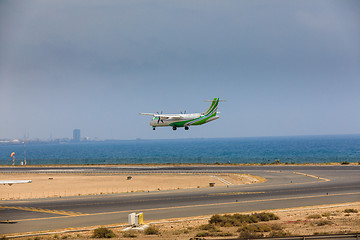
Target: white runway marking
x=222 y=180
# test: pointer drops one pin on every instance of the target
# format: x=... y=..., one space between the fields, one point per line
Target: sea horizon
x=55 y=140
x=286 y=149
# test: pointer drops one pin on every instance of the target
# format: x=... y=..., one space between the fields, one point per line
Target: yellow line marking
x=190 y=197
x=305 y=174
x=234 y=193
x=309 y=175
x=230 y=193
x=70 y=213
x=191 y=206
x=228 y=203
x=205 y=196
x=182 y=190
x=32 y=209
x=204 y=217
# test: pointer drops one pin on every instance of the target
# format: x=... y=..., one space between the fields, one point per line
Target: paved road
x=287 y=186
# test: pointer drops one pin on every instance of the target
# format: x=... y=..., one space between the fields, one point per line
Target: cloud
x=80 y=62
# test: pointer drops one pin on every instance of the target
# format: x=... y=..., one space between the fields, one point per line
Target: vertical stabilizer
x=213 y=107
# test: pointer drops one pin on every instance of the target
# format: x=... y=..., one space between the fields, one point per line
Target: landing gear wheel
x=186 y=128
x=154 y=128
x=174 y=128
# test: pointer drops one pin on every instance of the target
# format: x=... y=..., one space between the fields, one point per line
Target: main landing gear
x=174 y=128
x=186 y=128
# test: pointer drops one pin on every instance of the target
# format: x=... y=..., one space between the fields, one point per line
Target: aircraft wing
x=169 y=116
x=11 y=182
x=149 y=114
x=164 y=116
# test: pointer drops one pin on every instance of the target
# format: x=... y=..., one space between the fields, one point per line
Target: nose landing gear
x=174 y=128
x=186 y=128
x=154 y=128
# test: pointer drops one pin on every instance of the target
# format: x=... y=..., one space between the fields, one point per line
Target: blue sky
x=285 y=67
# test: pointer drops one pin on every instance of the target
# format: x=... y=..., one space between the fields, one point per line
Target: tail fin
x=213 y=107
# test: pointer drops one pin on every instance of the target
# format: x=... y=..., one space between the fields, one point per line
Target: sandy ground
x=295 y=221
x=55 y=185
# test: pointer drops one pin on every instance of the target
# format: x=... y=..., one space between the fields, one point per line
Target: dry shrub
x=209 y=227
x=129 y=234
x=229 y=220
x=202 y=234
x=250 y=234
x=280 y=233
x=152 y=230
x=314 y=216
x=276 y=227
x=322 y=222
x=326 y=214
x=255 y=228
x=103 y=233
x=351 y=210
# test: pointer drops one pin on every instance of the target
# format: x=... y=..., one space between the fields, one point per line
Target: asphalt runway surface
x=286 y=187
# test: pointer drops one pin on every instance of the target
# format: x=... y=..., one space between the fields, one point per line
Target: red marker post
x=13 y=157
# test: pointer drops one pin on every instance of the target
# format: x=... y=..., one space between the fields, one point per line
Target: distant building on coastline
x=76 y=135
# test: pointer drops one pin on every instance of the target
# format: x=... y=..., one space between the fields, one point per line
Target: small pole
x=24 y=151
x=13 y=158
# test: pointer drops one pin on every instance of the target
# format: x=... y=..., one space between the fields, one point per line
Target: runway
x=286 y=187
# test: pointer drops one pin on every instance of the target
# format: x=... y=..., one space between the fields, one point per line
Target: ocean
x=298 y=149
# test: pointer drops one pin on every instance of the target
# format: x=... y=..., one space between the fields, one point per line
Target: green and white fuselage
x=185 y=120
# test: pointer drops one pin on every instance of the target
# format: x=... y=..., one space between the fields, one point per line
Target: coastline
x=263 y=151
x=187 y=164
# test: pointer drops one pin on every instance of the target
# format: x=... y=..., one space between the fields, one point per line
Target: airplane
x=11 y=182
x=183 y=119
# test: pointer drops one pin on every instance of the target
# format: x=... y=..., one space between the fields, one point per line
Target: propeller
x=160 y=117
x=160 y=120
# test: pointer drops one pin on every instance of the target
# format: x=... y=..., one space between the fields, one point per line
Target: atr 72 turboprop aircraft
x=183 y=119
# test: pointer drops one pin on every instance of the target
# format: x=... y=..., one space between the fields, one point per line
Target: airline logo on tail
x=185 y=119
